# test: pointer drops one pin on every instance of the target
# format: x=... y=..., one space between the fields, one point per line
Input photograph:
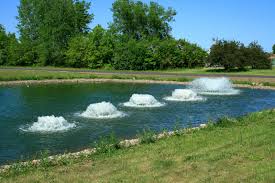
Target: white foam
x=213 y=86
x=184 y=95
x=143 y=100
x=102 y=110
x=49 y=124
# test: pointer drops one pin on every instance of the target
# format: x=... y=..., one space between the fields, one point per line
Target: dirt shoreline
x=69 y=81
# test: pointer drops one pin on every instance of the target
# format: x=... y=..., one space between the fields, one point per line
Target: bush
x=93 y=50
x=234 y=55
x=77 y=52
x=191 y=54
x=257 y=57
x=134 y=55
x=152 y=54
x=107 y=144
x=229 y=54
x=147 y=136
x=9 y=48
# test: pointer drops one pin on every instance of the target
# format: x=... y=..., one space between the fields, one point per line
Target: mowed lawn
x=20 y=75
x=39 y=73
x=252 y=72
x=235 y=150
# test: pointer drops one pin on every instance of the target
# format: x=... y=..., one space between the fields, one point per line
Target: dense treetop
x=46 y=27
x=56 y=32
x=137 y=19
x=235 y=55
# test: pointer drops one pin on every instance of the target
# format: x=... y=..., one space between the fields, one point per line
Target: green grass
x=52 y=73
x=256 y=72
x=233 y=150
x=261 y=72
x=12 y=75
x=17 y=75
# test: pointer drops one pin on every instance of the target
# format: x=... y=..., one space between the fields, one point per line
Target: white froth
x=102 y=110
x=143 y=100
x=213 y=86
x=184 y=95
x=49 y=124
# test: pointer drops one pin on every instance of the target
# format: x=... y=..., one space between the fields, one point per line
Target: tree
x=192 y=55
x=93 y=50
x=273 y=49
x=46 y=27
x=137 y=19
x=155 y=53
x=3 y=45
x=229 y=54
x=257 y=57
x=9 y=48
x=233 y=54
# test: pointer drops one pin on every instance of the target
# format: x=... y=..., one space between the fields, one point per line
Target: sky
x=198 y=21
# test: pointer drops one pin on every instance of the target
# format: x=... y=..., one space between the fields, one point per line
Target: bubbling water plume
x=143 y=100
x=213 y=86
x=102 y=110
x=47 y=124
x=184 y=95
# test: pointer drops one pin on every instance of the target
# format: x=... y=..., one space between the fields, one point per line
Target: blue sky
x=198 y=21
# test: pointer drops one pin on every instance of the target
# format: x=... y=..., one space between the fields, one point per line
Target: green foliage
x=233 y=54
x=3 y=45
x=137 y=19
x=107 y=144
x=93 y=50
x=273 y=49
x=9 y=53
x=229 y=54
x=152 y=54
x=46 y=26
x=147 y=136
x=257 y=58
x=55 y=32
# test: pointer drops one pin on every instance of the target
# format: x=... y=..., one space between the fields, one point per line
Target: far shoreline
x=103 y=80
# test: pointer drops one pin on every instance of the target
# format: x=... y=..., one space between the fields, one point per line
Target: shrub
x=233 y=54
x=151 y=54
x=229 y=54
x=93 y=50
x=107 y=144
x=147 y=136
x=77 y=52
x=257 y=57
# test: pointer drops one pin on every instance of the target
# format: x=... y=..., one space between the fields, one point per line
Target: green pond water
x=20 y=107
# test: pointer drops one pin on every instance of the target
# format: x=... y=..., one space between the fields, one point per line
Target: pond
x=23 y=133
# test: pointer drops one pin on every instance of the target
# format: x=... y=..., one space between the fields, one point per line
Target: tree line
x=235 y=55
x=56 y=33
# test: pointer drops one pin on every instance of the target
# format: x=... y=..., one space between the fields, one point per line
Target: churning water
x=184 y=95
x=102 y=110
x=43 y=117
x=214 y=86
x=143 y=100
x=49 y=124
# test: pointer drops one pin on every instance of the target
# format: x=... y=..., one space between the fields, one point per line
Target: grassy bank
x=212 y=71
x=17 y=75
x=233 y=150
x=252 y=72
x=70 y=73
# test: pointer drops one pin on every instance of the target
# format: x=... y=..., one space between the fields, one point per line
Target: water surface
x=22 y=105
